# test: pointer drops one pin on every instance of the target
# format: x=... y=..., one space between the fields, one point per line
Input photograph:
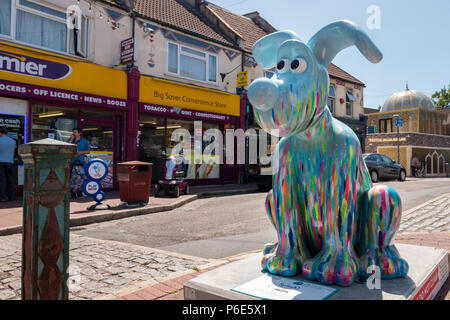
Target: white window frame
x=15 y=5
x=12 y=29
x=333 y=99
x=206 y=59
x=351 y=104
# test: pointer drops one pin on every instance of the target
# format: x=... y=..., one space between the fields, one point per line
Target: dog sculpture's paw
x=387 y=259
x=281 y=264
x=332 y=267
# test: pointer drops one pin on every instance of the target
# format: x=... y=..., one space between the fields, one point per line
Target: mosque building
x=424 y=132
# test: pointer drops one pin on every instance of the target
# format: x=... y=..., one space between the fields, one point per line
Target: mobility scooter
x=173 y=179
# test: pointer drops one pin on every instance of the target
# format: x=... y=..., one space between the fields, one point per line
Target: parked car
x=382 y=167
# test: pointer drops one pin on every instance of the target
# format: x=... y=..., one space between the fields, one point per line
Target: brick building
x=424 y=132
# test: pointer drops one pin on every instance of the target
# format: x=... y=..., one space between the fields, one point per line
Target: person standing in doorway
x=77 y=165
x=415 y=164
x=7 y=148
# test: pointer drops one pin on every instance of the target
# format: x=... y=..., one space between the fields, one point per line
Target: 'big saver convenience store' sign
x=32 y=67
x=168 y=93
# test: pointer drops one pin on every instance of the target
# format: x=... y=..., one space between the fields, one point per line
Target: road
x=220 y=227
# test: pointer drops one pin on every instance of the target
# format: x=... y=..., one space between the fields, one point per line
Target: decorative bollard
x=45 y=238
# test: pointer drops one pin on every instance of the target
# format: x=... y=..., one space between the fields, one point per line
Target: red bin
x=134 y=179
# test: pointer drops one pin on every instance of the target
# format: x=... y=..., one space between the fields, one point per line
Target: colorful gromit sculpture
x=333 y=225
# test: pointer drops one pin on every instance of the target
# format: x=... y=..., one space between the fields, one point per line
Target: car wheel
x=176 y=191
x=186 y=190
x=402 y=176
x=374 y=176
x=156 y=191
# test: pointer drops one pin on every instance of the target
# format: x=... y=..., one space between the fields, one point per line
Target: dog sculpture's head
x=297 y=93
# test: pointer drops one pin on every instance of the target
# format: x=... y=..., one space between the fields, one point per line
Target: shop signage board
x=32 y=91
x=127 y=51
x=26 y=65
x=372 y=129
x=168 y=93
x=242 y=79
x=15 y=124
x=181 y=112
x=386 y=139
x=34 y=67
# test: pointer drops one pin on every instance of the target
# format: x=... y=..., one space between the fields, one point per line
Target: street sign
x=242 y=79
x=127 y=51
x=398 y=122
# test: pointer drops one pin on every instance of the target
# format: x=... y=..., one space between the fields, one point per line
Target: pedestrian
x=415 y=164
x=7 y=149
x=77 y=165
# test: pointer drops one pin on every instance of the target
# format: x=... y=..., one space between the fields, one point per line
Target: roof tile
x=242 y=26
x=174 y=13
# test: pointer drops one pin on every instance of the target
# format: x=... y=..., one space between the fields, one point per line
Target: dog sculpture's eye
x=282 y=66
x=299 y=65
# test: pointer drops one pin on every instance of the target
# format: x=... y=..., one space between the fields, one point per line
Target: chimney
x=260 y=22
x=195 y=3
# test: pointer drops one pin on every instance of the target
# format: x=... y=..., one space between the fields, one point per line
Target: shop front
x=47 y=95
x=166 y=107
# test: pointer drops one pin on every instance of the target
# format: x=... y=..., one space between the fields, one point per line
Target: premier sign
x=21 y=64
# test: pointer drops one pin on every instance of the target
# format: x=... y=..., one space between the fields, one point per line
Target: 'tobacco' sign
x=127 y=51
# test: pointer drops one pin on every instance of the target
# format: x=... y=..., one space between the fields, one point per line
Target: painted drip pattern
x=332 y=223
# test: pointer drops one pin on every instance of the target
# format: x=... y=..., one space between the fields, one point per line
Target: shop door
x=103 y=139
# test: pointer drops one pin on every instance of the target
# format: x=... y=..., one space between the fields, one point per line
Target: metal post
x=45 y=238
x=398 y=140
x=398 y=145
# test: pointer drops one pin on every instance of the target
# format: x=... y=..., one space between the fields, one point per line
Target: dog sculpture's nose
x=263 y=94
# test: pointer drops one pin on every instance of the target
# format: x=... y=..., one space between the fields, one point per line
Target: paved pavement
x=431 y=216
x=105 y=269
x=222 y=226
x=11 y=212
x=102 y=269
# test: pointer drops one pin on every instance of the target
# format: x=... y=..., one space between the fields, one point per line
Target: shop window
x=193 y=170
x=350 y=98
x=191 y=64
x=5 y=17
x=331 y=99
x=54 y=123
x=152 y=137
x=35 y=24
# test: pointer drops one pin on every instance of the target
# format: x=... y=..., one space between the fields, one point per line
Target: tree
x=441 y=98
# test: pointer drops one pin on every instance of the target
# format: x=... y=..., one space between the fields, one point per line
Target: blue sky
x=414 y=38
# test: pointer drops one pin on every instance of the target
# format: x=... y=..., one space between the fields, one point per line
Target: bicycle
x=420 y=171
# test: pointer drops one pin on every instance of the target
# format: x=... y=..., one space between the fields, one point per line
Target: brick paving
x=104 y=269
x=432 y=216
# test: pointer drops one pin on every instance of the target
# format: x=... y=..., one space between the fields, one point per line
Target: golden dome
x=408 y=99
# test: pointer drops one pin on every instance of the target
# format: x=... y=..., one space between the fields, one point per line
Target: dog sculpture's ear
x=337 y=36
x=265 y=49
